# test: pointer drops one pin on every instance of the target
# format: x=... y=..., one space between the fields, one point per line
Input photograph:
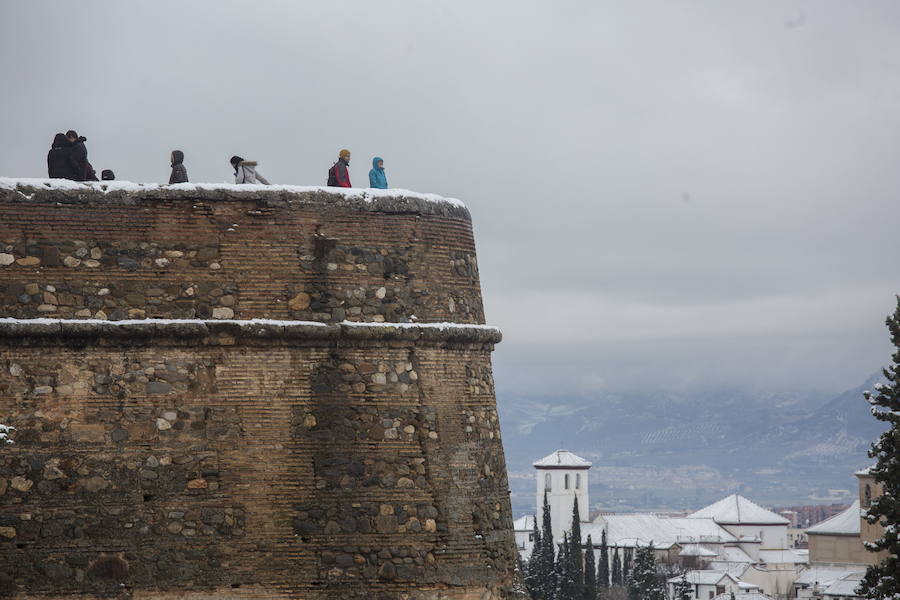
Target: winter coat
x=246 y=173
x=60 y=159
x=377 y=178
x=341 y=174
x=179 y=172
x=85 y=170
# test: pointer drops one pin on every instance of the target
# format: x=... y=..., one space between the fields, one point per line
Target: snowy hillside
x=679 y=451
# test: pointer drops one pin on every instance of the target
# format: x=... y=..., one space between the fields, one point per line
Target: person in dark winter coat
x=179 y=173
x=107 y=175
x=79 y=152
x=60 y=160
x=377 y=178
x=245 y=171
x=339 y=175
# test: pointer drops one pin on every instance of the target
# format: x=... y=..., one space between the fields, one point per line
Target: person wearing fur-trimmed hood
x=245 y=171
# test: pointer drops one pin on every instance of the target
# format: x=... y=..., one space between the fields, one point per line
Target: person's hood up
x=177 y=157
x=60 y=141
x=81 y=139
x=375 y=162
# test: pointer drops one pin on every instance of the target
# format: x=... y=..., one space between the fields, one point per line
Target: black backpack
x=332 y=176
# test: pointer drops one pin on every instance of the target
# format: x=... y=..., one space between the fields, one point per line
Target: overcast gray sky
x=667 y=193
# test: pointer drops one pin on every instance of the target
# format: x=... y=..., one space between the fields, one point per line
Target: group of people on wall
x=67 y=159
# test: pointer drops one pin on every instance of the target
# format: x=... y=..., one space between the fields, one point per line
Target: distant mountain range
x=667 y=451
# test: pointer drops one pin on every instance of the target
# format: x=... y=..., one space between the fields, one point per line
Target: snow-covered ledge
x=391 y=200
x=249 y=331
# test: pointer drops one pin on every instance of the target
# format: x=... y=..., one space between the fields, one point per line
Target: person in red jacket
x=339 y=175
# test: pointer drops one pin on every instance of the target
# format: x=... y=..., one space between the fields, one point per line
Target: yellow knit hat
x=344 y=153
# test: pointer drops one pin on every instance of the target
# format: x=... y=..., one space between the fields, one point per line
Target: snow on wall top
x=845 y=522
x=365 y=196
x=737 y=510
x=250 y=327
x=562 y=459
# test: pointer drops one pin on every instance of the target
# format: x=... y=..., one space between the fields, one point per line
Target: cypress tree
x=563 y=573
x=616 y=568
x=589 y=591
x=548 y=551
x=881 y=580
x=645 y=582
x=603 y=565
x=576 y=558
x=626 y=565
x=534 y=573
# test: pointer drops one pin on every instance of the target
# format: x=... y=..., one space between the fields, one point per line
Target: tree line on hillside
x=567 y=572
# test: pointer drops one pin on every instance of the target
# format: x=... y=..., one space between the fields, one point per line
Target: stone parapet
x=100 y=252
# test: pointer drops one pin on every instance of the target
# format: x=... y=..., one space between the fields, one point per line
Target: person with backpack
x=79 y=153
x=179 y=172
x=377 y=178
x=245 y=171
x=339 y=174
x=60 y=160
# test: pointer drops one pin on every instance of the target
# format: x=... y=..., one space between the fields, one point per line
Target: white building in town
x=563 y=476
x=706 y=585
x=733 y=536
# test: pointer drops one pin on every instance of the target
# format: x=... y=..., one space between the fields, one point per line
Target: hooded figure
x=79 y=152
x=377 y=178
x=245 y=171
x=339 y=175
x=179 y=173
x=60 y=159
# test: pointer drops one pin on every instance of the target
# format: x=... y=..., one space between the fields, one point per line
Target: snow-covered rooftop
x=864 y=472
x=743 y=596
x=641 y=529
x=707 y=577
x=562 y=459
x=824 y=576
x=845 y=522
x=844 y=587
x=737 y=510
x=696 y=550
x=734 y=554
x=525 y=523
x=781 y=557
x=24 y=184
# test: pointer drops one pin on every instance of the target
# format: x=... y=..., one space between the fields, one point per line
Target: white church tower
x=564 y=476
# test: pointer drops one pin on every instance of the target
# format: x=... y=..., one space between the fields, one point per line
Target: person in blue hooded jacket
x=377 y=178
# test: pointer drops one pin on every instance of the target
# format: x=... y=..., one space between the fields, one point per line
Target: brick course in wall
x=198 y=458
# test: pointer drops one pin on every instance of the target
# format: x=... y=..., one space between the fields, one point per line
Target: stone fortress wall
x=332 y=452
